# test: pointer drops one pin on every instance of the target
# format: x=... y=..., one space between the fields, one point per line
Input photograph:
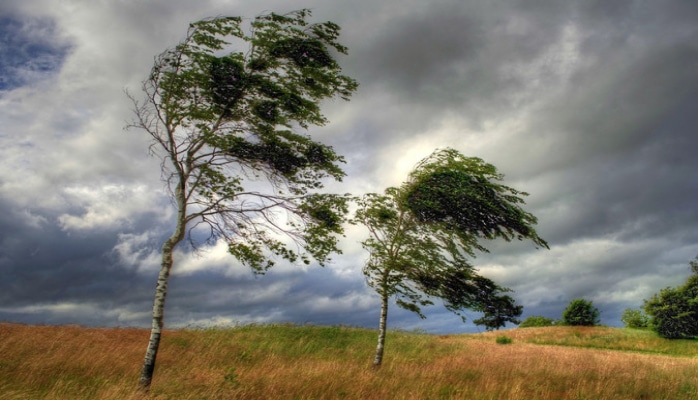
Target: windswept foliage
x=222 y=108
x=464 y=195
x=497 y=308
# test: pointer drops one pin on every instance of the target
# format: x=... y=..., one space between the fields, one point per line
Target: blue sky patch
x=29 y=51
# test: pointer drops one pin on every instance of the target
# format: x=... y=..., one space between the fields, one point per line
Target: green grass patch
x=624 y=339
x=504 y=340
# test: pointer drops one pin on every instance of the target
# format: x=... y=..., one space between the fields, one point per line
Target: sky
x=589 y=106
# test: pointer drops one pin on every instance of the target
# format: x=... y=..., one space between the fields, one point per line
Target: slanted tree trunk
x=378 y=359
x=161 y=292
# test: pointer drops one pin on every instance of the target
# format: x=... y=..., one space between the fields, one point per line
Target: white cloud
x=110 y=206
x=137 y=252
x=228 y=321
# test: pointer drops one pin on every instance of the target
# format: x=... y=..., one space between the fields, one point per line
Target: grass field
x=306 y=362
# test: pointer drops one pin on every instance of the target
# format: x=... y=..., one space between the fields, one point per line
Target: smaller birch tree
x=422 y=234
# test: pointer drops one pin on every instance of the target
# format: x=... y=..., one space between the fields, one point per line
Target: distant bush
x=580 y=312
x=635 y=319
x=504 y=340
x=536 y=321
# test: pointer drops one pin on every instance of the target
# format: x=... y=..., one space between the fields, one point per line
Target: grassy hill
x=305 y=362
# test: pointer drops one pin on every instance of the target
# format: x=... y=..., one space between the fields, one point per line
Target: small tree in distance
x=581 y=312
x=223 y=123
x=634 y=319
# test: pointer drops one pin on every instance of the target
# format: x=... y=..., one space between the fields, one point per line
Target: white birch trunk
x=161 y=293
x=378 y=359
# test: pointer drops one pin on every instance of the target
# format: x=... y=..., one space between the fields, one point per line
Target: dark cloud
x=45 y=266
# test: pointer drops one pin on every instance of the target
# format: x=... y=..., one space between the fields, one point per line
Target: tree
x=222 y=121
x=536 y=321
x=634 y=319
x=674 y=311
x=497 y=308
x=422 y=234
x=580 y=312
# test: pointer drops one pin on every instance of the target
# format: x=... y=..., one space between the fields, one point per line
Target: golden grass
x=300 y=362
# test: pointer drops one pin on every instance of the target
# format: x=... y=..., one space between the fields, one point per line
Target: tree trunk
x=378 y=359
x=161 y=293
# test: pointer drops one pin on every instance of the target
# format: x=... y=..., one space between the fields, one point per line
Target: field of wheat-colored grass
x=306 y=362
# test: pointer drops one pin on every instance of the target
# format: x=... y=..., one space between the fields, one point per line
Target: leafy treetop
x=225 y=120
x=463 y=195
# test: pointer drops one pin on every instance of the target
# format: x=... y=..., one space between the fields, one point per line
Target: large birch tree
x=423 y=234
x=223 y=109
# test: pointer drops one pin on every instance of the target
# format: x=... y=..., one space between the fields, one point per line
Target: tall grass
x=303 y=362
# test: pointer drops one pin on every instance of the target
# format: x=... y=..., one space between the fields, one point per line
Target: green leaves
x=325 y=214
x=497 y=308
x=227 y=84
x=634 y=319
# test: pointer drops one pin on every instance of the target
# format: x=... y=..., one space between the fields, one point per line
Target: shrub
x=536 y=321
x=635 y=319
x=674 y=311
x=504 y=340
x=580 y=312
x=674 y=316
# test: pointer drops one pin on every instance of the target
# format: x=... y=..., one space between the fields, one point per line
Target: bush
x=536 y=321
x=504 y=340
x=674 y=311
x=580 y=312
x=674 y=316
x=635 y=319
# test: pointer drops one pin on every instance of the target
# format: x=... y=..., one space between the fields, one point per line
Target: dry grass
x=287 y=362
